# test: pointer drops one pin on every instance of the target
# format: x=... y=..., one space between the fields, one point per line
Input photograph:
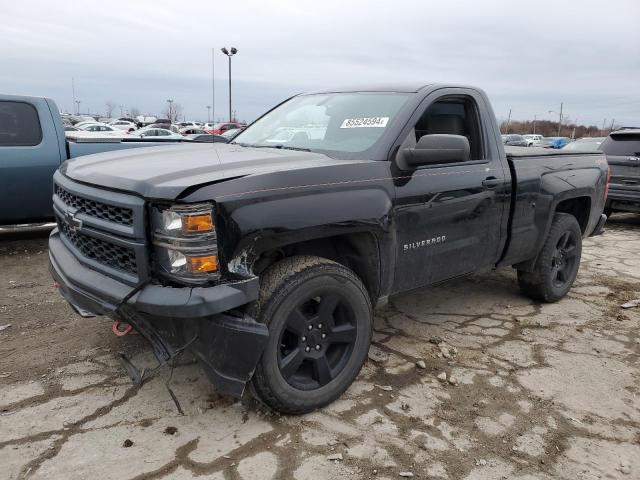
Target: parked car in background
x=166 y=126
x=514 y=140
x=533 y=139
x=68 y=118
x=622 y=148
x=220 y=128
x=96 y=130
x=585 y=144
x=193 y=131
x=189 y=124
x=98 y=127
x=125 y=125
x=70 y=128
x=126 y=119
x=206 y=138
x=84 y=122
x=230 y=134
x=156 y=133
x=554 y=142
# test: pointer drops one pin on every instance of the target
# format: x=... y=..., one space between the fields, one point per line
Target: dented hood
x=166 y=171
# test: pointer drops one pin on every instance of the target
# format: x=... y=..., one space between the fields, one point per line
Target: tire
x=300 y=369
x=558 y=262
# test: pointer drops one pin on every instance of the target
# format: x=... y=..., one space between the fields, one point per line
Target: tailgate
x=625 y=171
x=623 y=154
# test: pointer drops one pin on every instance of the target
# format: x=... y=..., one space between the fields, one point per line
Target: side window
x=457 y=115
x=19 y=125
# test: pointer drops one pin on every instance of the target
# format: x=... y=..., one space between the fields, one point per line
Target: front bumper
x=227 y=346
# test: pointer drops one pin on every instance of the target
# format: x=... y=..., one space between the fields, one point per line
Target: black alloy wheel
x=320 y=323
x=317 y=341
x=557 y=263
x=563 y=263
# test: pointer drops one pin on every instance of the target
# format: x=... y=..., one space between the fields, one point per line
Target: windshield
x=328 y=122
x=623 y=144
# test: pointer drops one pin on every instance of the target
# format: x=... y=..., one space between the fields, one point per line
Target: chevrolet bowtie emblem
x=74 y=223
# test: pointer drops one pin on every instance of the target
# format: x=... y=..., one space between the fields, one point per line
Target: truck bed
x=540 y=176
x=518 y=152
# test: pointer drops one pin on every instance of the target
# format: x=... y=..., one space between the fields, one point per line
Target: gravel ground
x=468 y=380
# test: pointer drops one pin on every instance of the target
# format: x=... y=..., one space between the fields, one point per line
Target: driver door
x=449 y=216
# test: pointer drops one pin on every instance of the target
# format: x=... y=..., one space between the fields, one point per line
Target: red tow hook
x=121 y=332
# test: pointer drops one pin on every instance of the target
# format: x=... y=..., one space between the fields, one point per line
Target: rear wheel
x=557 y=265
x=320 y=322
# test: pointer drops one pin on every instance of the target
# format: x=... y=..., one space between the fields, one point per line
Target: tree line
x=549 y=128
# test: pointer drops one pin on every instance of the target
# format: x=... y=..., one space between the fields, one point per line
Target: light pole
x=560 y=117
x=229 y=53
x=170 y=102
x=78 y=102
x=208 y=113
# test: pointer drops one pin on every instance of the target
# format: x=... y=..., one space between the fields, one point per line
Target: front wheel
x=557 y=265
x=320 y=323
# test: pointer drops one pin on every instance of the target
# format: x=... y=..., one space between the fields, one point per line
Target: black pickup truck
x=265 y=257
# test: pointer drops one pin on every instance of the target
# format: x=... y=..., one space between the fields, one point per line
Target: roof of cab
x=400 y=88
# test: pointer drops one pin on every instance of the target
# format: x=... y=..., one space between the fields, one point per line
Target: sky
x=528 y=56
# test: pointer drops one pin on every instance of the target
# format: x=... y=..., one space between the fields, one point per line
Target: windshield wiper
x=284 y=147
x=278 y=146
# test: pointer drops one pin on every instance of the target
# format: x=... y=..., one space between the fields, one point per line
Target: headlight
x=185 y=242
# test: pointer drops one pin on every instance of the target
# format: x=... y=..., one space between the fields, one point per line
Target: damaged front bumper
x=227 y=346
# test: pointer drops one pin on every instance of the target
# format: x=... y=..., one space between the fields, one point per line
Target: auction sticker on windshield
x=365 y=122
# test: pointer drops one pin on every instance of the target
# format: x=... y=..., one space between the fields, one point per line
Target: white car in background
x=182 y=125
x=124 y=125
x=95 y=130
x=85 y=122
x=156 y=133
x=533 y=139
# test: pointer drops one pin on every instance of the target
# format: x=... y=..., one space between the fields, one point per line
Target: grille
x=114 y=256
x=110 y=213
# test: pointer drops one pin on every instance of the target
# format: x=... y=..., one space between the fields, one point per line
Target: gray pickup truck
x=32 y=147
x=265 y=257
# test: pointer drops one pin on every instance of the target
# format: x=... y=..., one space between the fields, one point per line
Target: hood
x=166 y=171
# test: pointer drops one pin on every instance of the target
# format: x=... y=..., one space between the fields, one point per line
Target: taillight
x=606 y=188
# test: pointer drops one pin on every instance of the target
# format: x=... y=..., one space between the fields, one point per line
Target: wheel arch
x=357 y=250
x=577 y=206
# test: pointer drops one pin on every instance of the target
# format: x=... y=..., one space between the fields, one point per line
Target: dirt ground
x=531 y=391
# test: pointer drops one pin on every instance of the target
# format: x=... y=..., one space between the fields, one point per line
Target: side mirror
x=437 y=148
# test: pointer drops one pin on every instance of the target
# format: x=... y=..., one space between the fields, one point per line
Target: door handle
x=491 y=182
